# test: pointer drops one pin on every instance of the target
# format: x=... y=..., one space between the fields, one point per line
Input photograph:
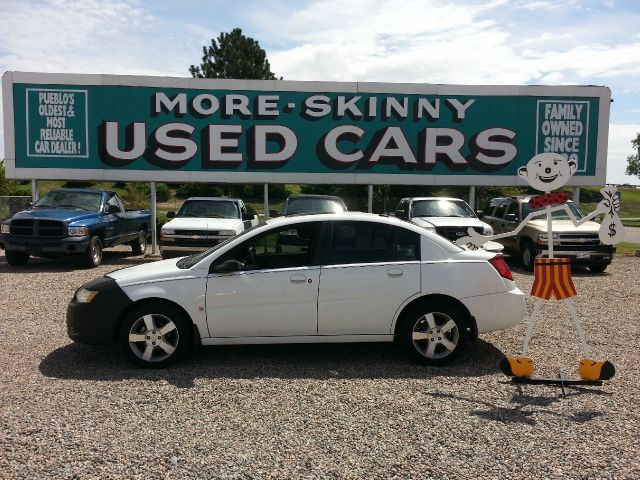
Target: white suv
x=349 y=277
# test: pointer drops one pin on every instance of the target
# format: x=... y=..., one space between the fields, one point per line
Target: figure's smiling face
x=548 y=171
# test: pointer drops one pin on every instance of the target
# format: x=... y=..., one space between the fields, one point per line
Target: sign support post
x=153 y=218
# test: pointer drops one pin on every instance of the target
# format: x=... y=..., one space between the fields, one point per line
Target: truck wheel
x=17 y=259
x=93 y=255
x=598 y=267
x=139 y=245
x=527 y=256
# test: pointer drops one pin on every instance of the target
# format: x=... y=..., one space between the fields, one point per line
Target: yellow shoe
x=517 y=366
x=592 y=370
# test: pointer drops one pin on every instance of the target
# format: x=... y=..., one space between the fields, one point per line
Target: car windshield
x=558 y=214
x=441 y=208
x=300 y=206
x=191 y=260
x=209 y=209
x=86 y=201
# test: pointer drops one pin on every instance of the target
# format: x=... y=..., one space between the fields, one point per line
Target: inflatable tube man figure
x=552 y=276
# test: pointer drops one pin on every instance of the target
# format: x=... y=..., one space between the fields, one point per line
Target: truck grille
x=201 y=233
x=578 y=239
x=454 y=233
x=37 y=228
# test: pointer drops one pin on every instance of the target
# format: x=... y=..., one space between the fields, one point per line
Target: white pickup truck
x=203 y=222
x=448 y=217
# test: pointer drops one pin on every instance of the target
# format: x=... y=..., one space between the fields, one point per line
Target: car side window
x=287 y=247
x=513 y=208
x=499 y=213
x=112 y=200
x=367 y=242
x=402 y=210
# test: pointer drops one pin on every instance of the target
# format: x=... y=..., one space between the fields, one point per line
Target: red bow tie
x=557 y=198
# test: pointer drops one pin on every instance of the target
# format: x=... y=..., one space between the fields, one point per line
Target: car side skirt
x=297 y=339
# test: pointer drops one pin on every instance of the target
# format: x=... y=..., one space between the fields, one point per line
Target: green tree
x=233 y=56
x=633 y=161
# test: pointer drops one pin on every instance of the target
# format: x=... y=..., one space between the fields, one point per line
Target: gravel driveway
x=319 y=411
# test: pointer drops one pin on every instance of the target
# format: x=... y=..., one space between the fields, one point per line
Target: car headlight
x=77 y=231
x=487 y=230
x=85 y=296
x=543 y=237
x=227 y=233
x=5 y=228
x=167 y=231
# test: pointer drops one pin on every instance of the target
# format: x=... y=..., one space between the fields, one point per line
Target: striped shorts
x=552 y=277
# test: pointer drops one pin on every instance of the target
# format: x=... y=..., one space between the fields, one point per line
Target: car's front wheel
x=93 y=255
x=528 y=256
x=433 y=333
x=598 y=267
x=155 y=335
x=16 y=259
x=139 y=245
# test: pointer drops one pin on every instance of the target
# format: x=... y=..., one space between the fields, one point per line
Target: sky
x=494 y=42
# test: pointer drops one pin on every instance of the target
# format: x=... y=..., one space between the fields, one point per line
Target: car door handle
x=394 y=272
x=298 y=278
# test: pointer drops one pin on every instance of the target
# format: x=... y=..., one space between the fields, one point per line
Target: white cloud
x=620 y=136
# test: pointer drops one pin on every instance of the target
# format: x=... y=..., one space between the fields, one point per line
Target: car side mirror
x=228 y=266
x=511 y=217
x=248 y=216
x=171 y=214
x=480 y=213
x=111 y=209
x=273 y=213
x=29 y=205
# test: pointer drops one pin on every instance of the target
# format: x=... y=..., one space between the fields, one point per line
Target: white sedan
x=349 y=277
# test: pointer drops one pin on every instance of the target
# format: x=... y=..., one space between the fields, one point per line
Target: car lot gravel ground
x=318 y=411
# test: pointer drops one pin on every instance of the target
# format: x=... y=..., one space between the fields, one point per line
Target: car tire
x=139 y=245
x=155 y=335
x=598 y=267
x=93 y=255
x=16 y=259
x=433 y=333
x=527 y=256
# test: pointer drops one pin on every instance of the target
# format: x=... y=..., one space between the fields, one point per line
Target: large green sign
x=146 y=128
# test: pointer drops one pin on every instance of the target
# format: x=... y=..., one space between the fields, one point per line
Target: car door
x=116 y=227
x=276 y=291
x=369 y=270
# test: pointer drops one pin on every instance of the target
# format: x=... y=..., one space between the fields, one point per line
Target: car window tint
x=113 y=200
x=285 y=247
x=513 y=208
x=499 y=213
x=365 y=242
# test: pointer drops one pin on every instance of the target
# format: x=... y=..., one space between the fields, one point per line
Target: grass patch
x=627 y=248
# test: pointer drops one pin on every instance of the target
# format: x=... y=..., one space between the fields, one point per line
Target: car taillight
x=501 y=266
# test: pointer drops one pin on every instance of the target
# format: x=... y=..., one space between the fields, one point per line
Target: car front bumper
x=97 y=322
x=44 y=246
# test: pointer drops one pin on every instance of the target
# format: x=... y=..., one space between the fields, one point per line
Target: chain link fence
x=12 y=204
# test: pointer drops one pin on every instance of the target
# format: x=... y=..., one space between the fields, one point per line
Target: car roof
x=85 y=190
x=303 y=195
x=226 y=199
x=453 y=199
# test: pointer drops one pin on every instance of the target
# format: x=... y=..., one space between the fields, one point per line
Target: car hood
x=566 y=226
x=63 y=214
x=189 y=223
x=153 y=272
x=448 y=222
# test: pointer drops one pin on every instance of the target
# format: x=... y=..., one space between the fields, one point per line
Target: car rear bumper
x=497 y=311
x=39 y=246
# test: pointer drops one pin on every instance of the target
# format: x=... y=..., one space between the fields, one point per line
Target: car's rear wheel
x=155 y=335
x=16 y=259
x=433 y=333
x=139 y=245
x=93 y=254
x=528 y=256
